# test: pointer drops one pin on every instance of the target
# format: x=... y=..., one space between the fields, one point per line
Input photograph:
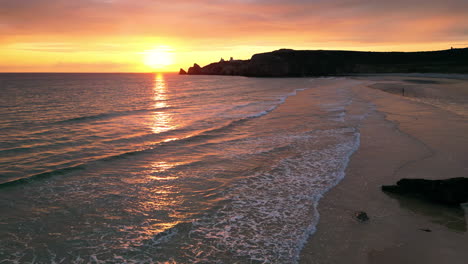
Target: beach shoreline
x=400 y=138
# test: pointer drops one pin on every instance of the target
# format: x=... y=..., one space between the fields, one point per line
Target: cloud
x=71 y=67
x=240 y=21
x=65 y=47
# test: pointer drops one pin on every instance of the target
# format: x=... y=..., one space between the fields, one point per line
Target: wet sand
x=401 y=137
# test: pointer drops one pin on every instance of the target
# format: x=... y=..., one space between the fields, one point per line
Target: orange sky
x=129 y=35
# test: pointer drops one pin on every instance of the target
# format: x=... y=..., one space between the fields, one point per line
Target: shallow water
x=131 y=168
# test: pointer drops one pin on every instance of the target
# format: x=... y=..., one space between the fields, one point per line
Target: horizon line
x=22 y=72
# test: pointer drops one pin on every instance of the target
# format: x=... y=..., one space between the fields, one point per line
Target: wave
x=37 y=147
x=262 y=202
x=246 y=105
x=110 y=115
x=281 y=101
x=41 y=176
x=201 y=135
x=190 y=138
x=81 y=166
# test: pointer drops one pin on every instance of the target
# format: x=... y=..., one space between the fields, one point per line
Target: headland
x=301 y=63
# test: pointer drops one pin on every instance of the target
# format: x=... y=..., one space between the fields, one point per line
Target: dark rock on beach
x=452 y=191
x=425 y=230
x=362 y=216
x=298 y=63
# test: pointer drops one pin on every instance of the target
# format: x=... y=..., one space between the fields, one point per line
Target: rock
x=362 y=216
x=425 y=230
x=196 y=69
x=452 y=191
x=299 y=63
x=235 y=67
x=182 y=72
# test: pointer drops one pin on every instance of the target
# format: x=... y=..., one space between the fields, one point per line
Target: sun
x=158 y=58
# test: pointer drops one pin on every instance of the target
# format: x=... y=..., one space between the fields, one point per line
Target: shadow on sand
x=452 y=217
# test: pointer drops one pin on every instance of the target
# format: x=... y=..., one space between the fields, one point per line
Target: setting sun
x=158 y=58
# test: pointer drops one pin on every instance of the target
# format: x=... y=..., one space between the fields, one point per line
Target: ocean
x=162 y=168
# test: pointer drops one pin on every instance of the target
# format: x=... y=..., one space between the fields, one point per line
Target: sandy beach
x=421 y=133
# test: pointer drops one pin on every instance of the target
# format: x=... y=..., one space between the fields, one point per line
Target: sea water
x=162 y=168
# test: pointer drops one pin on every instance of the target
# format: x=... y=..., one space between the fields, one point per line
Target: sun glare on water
x=159 y=58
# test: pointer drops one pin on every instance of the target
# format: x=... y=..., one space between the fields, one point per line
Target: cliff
x=297 y=63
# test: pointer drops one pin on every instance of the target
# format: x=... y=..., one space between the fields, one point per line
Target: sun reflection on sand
x=161 y=120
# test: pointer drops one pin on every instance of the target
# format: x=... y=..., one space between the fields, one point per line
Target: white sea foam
x=279 y=102
x=270 y=215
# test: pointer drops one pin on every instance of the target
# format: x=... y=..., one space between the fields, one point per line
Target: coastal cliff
x=297 y=63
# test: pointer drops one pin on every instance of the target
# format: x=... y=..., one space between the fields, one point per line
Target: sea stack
x=196 y=69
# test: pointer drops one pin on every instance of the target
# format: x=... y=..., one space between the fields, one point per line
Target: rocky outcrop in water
x=182 y=72
x=452 y=191
x=195 y=69
x=298 y=63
